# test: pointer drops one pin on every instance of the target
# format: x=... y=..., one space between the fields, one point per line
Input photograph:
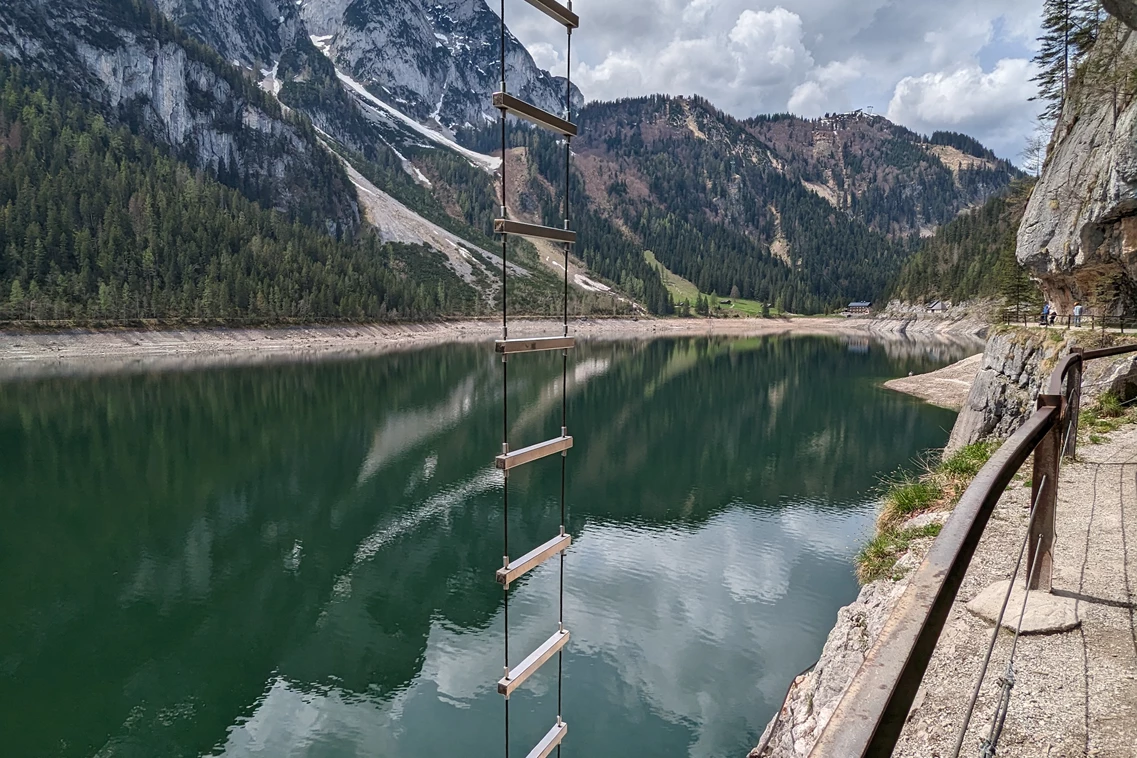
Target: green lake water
x=297 y=560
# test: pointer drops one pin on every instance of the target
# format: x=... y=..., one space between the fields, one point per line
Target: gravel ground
x=946 y=387
x=1075 y=694
x=84 y=351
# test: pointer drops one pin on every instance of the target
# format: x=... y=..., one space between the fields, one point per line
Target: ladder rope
x=558 y=731
x=564 y=374
x=504 y=380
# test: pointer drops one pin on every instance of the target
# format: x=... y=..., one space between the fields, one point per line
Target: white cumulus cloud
x=810 y=57
x=826 y=89
x=968 y=99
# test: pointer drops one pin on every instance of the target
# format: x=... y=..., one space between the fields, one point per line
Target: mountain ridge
x=738 y=205
x=796 y=212
x=438 y=61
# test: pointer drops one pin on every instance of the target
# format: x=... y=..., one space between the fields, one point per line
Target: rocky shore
x=85 y=351
x=947 y=387
x=1010 y=373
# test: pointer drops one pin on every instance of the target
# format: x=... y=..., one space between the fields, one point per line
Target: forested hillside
x=805 y=215
x=972 y=256
x=98 y=223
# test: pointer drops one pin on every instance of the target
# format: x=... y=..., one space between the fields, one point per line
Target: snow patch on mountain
x=438 y=59
x=487 y=162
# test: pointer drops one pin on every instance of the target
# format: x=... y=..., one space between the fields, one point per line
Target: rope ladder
x=512 y=570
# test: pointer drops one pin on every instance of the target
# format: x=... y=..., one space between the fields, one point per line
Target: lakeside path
x=947 y=387
x=33 y=354
x=1075 y=694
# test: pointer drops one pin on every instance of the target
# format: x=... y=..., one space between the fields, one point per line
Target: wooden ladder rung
x=557 y=11
x=533 y=114
x=553 y=738
x=533 y=231
x=534 y=344
x=506 y=461
x=522 y=671
x=531 y=560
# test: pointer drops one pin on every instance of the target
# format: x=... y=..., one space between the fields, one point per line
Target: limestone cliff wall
x=1016 y=366
x=432 y=59
x=143 y=73
x=1079 y=233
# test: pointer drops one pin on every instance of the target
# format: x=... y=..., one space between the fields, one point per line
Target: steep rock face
x=252 y=33
x=135 y=66
x=814 y=696
x=1126 y=10
x=1016 y=368
x=271 y=38
x=1016 y=365
x=1079 y=234
x=435 y=59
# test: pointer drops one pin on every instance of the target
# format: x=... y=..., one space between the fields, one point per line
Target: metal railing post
x=1073 y=408
x=1044 y=492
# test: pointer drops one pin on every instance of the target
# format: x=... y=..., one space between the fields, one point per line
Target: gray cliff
x=134 y=65
x=1079 y=234
x=251 y=33
x=1016 y=365
x=437 y=60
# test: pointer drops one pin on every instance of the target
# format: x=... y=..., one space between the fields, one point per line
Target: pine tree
x=1069 y=29
x=1015 y=286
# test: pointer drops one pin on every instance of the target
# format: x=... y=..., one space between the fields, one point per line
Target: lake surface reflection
x=298 y=560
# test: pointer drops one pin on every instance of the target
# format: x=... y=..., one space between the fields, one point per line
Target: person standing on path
x=1077 y=314
x=1045 y=314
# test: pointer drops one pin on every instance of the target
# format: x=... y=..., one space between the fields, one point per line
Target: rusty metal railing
x=871 y=714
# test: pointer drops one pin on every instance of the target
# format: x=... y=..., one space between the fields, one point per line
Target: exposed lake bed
x=32 y=353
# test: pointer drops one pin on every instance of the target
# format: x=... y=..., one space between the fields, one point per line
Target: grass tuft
x=1109 y=406
x=912 y=496
x=966 y=462
x=936 y=488
x=877 y=559
x=1107 y=415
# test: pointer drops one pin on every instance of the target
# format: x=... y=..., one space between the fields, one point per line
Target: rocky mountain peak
x=437 y=60
x=250 y=33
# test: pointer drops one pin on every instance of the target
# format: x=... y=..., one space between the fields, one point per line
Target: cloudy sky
x=962 y=65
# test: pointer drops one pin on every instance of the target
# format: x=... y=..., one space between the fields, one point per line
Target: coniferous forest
x=972 y=256
x=97 y=223
x=102 y=220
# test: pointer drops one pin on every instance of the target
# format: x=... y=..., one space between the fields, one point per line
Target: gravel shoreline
x=79 y=352
x=947 y=387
